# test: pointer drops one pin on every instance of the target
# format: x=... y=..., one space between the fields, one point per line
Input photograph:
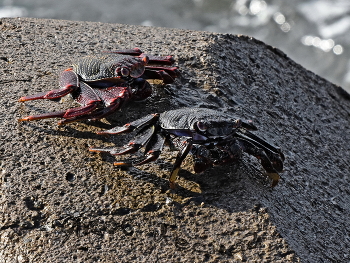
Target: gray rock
x=60 y=203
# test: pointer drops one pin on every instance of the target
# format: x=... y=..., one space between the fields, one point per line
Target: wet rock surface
x=60 y=203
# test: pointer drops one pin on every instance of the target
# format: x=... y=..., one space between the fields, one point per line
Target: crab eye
x=237 y=123
x=202 y=126
x=125 y=72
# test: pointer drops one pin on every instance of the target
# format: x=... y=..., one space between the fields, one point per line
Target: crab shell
x=109 y=66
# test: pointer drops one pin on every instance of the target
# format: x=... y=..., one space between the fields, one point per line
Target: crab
x=103 y=83
x=212 y=137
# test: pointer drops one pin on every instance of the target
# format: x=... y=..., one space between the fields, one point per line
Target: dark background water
x=314 y=32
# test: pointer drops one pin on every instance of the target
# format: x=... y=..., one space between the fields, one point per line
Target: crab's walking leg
x=68 y=82
x=129 y=127
x=95 y=115
x=153 y=149
x=140 y=140
x=142 y=137
x=148 y=137
x=184 y=150
x=132 y=52
x=167 y=74
x=87 y=97
x=113 y=98
x=164 y=60
x=263 y=143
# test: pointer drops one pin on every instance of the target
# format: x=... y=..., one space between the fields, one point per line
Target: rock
x=60 y=202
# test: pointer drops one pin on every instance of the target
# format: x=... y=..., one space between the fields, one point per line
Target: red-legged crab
x=212 y=137
x=102 y=83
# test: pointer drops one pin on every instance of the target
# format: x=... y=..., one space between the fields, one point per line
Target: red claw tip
x=103 y=133
x=93 y=150
x=122 y=164
x=24 y=119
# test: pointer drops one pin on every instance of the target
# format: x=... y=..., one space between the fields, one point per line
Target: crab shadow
x=235 y=187
x=65 y=131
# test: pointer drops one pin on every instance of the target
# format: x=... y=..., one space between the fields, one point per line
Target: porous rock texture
x=61 y=203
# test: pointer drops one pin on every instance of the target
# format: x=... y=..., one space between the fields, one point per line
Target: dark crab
x=212 y=137
x=102 y=83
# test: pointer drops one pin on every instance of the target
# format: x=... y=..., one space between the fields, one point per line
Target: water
x=312 y=32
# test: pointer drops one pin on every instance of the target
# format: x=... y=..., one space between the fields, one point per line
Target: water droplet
x=279 y=18
x=338 y=49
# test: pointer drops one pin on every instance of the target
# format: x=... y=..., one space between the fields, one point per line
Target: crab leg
x=129 y=127
x=140 y=140
x=131 y=52
x=184 y=150
x=87 y=98
x=111 y=97
x=153 y=149
x=258 y=140
x=95 y=115
x=154 y=142
x=68 y=82
x=165 y=60
x=51 y=95
x=167 y=74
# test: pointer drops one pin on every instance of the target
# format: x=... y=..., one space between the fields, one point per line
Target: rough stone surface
x=60 y=203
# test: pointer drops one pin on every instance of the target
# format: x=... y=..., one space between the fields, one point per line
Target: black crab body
x=212 y=137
